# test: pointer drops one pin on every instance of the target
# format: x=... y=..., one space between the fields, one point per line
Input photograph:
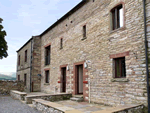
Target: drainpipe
x=89 y=82
x=146 y=53
x=31 y=67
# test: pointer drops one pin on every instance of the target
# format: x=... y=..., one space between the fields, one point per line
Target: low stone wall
x=136 y=109
x=48 y=97
x=125 y=109
x=18 y=95
x=45 y=109
x=6 y=86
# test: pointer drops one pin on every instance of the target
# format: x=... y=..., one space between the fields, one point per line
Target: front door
x=63 y=83
x=80 y=79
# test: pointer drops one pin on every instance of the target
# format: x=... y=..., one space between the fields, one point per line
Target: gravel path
x=9 y=105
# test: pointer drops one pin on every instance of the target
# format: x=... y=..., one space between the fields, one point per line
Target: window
x=25 y=58
x=84 y=31
x=47 y=76
x=47 y=55
x=117 y=17
x=120 y=67
x=19 y=60
x=18 y=77
x=61 y=43
x=25 y=79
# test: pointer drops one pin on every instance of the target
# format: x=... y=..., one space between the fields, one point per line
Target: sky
x=23 y=19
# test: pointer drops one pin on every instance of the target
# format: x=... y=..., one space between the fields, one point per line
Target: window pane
x=47 y=55
x=121 y=17
x=47 y=76
x=113 y=20
x=123 y=68
x=117 y=68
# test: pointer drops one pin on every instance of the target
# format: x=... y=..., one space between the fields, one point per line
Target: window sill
x=47 y=65
x=46 y=84
x=119 y=80
x=83 y=38
x=121 y=28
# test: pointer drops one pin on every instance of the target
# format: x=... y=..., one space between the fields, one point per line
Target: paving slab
x=84 y=107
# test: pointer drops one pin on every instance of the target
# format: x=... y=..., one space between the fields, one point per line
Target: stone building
x=96 y=50
x=28 y=64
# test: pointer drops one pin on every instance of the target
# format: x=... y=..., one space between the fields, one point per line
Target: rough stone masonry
x=98 y=51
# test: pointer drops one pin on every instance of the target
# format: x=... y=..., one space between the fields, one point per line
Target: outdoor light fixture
x=85 y=65
x=39 y=76
x=67 y=68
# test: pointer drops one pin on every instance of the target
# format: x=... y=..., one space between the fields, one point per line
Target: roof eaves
x=65 y=16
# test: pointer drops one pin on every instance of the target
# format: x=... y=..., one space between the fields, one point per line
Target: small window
x=117 y=17
x=19 y=60
x=47 y=55
x=25 y=79
x=25 y=58
x=61 y=43
x=47 y=76
x=120 y=68
x=18 y=77
x=84 y=31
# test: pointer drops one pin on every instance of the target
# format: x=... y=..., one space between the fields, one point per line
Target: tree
x=3 y=43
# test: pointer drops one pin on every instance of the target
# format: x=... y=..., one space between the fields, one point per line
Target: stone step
x=78 y=96
x=76 y=99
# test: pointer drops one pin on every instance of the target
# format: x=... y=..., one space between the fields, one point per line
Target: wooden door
x=63 y=71
x=80 y=79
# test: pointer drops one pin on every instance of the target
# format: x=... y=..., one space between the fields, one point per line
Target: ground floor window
x=25 y=79
x=120 y=67
x=47 y=76
x=18 y=77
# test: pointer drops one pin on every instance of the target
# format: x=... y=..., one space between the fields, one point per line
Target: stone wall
x=45 y=109
x=138 y=109
x=32 y=67
x=24 y=67
x=49 y=97
x=96 y=50
x=36 y=64
x=6 y=86
x=18 y=95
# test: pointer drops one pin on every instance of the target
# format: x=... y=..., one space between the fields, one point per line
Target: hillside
x=6 y=77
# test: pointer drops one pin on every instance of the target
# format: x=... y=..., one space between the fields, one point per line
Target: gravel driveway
x=8 y=105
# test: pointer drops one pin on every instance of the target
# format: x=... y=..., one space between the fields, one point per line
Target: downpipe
x=89 y=82
x=146 y=53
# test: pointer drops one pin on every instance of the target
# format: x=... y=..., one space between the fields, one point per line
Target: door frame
x=75 y=78
x=63 y=66
x=77 y=75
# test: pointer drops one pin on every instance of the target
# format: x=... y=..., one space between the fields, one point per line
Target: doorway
x=63 y=79
x=79 y=74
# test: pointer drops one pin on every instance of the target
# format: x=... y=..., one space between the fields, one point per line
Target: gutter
x=146 y=55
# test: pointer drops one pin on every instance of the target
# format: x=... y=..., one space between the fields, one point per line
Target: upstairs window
x=19 y=60
x=61 y=43
x=117 y=17
x=84 y=31
x=47 y=76
x=25 y=57
x=120 y=68
x=47 y=55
